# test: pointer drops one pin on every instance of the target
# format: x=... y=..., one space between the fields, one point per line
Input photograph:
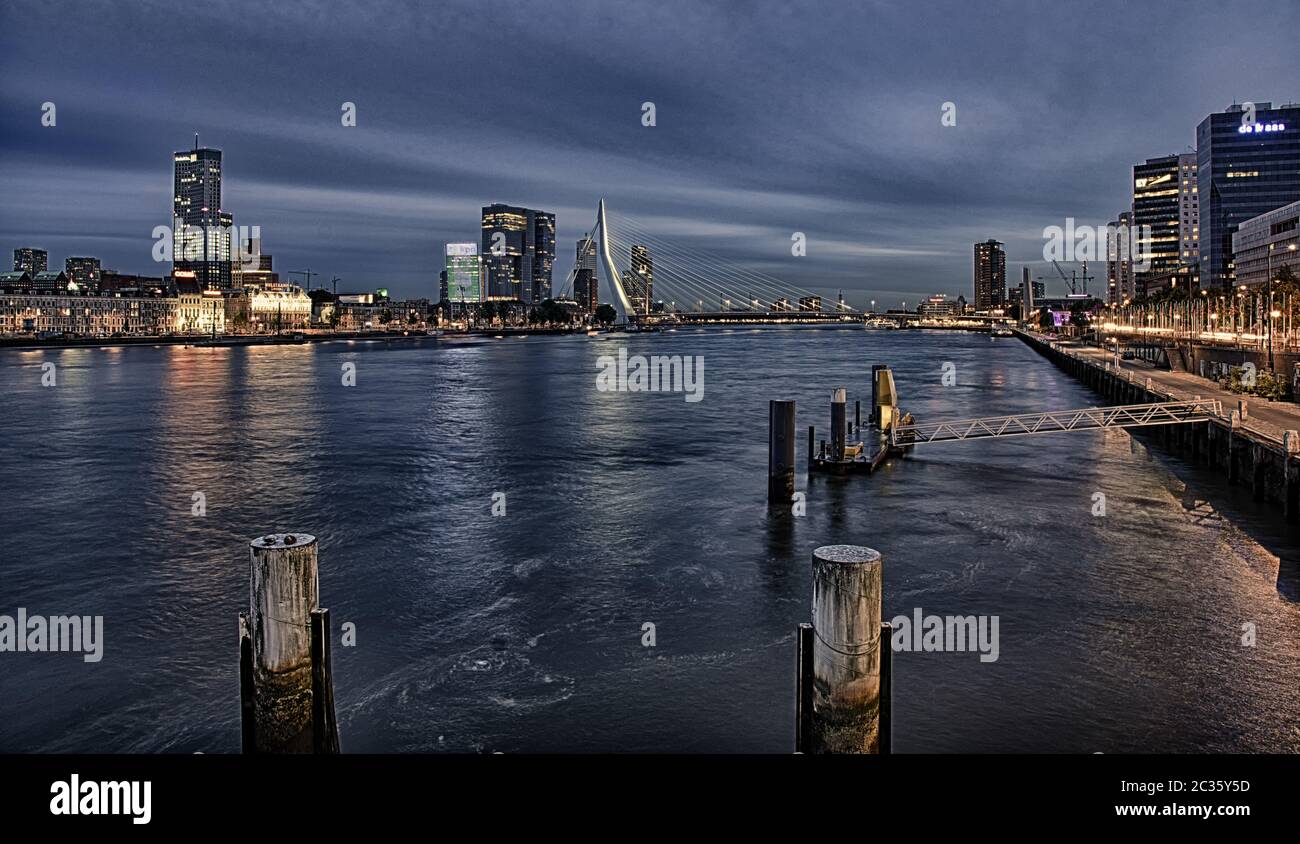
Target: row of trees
x=1248 y=315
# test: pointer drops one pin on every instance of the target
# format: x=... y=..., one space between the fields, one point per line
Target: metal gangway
x=1087 y=419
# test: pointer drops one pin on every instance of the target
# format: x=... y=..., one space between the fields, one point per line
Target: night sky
x=771 y=118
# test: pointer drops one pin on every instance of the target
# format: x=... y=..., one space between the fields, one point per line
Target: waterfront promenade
x=1265 y=418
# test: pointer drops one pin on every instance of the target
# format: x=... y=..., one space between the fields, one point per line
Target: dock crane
x=1069 y=281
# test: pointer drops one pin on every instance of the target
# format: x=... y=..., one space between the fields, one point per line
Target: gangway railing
x=1087 y=419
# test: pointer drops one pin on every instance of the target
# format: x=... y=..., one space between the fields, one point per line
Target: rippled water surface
x=523 y=633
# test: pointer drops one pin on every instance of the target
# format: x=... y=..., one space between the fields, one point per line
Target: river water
x=1119 y=632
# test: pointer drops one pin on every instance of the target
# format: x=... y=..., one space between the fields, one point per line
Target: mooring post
x=324 y=724
x=803 y=707
x=857 y=414
x=780 y=450
x=886 y=687
x=812 y=444
x=247 y=718
x=838 y=399
x=847 y=645
x=1242 y=408
x=283 y=590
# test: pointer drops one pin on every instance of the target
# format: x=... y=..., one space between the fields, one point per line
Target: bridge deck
x=1086 y=419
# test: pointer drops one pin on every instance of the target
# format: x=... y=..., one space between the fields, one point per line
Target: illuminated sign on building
x=1256 y=128
x=464 y=273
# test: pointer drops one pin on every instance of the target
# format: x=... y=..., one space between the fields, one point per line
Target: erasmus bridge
x=639 y=272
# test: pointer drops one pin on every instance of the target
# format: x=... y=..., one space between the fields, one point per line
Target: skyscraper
x=83 y=272
x=1248 y=162
x=990 y=275
x=1120 y=247
x=639 y=282
x=1158 y=203
x=518 y=253
x=30 y=260
x=1189 y=226
x=201 y=230
x=464 y=274
x=586 y=285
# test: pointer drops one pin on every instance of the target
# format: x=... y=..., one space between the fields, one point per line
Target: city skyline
x=890 y=200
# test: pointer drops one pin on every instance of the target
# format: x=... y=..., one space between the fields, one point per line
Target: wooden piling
x=780 y=450
x=886 y=688
x=324 y=725
x=803 y=707
x=247 y=718
x=846 y=601
x=283 y=590
x=838 y=399
x=812 y=446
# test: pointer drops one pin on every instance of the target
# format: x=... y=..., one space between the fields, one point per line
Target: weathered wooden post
x=812 y=446
x=857 y=414
x=838 y=399
x=324 y=725
x=247 y=717
x=847 y=586
x=886 y=688
x=780 y=450
x=283 y=590
x=804 y=639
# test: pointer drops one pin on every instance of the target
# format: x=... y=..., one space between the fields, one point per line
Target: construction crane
x=1073 y=276
x=307 y=273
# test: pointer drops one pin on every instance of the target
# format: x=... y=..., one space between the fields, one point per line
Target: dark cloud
x=772 y=118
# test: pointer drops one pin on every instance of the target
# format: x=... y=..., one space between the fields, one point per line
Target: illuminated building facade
x=1276 y=232
x=1120 y=248
x=586 y=284
x=201 y=231
x=84 y=273
x=258 y=310
x=518 y=253
x=639 y=281
x=199 y=311
x=464 y=274
x=31 y=261
x=1157 y=215
x=87 y=316
x=990 y=275
x=938 y=306
x=1248 y=163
